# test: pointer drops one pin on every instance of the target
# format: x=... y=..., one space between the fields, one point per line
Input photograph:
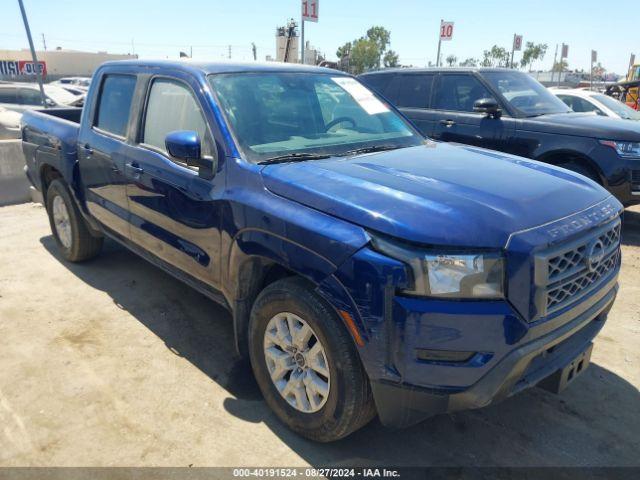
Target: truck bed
x=49 y=136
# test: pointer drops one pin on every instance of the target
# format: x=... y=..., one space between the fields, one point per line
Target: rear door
x=411 y=93
x=175 y=214
x=102 y=152
x=453 y=99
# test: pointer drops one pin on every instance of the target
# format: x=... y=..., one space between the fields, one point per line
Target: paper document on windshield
x=360 y=94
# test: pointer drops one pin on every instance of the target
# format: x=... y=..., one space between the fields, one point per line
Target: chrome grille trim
x=565 y=273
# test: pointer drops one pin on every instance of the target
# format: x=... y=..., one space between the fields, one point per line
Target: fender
x=254 y=254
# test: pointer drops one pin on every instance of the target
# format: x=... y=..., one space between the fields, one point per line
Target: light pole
x=34 y=57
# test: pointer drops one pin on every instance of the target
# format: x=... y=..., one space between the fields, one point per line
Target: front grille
x=570 y=271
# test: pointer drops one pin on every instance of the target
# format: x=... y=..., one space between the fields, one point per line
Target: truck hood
x=584 y=125
x=437 y=194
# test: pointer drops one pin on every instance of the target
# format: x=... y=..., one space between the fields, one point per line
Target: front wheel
x=69 y=229
x=306 y=363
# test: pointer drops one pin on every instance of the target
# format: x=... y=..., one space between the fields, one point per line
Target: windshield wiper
x=294 y=157
x=371 y=149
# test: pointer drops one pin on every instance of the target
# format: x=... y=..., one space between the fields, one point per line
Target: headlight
x=624 y=149
x=460 y=274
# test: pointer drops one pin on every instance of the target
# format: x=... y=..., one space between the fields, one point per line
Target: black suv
x=510 y=111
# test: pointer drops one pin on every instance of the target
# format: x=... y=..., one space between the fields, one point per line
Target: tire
x=348 y=405
x=582 y=170
x=72 y=237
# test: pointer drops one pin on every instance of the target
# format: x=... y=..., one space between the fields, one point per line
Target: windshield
x=59 y=95
x=525 y=94
x=276 y=114
x=618 y=107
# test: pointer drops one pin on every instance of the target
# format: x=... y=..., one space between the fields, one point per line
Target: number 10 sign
x=446 y=31
x=310 y=10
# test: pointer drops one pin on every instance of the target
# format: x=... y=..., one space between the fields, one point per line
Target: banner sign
x=21 y=67
x=517 y=43
x=446 y=31
x=310 y=10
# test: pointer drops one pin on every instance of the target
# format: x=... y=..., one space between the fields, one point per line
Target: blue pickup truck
x=368 y=269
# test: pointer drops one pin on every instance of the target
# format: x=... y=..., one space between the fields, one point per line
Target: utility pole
x=44 y=43
x=553 y=68
x=439 y=44
x=254 y=50
x=302 y=40
x=34 y=57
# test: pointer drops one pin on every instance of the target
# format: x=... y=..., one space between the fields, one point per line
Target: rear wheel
x=582 y=170
x=306 y=363
x=68 y=227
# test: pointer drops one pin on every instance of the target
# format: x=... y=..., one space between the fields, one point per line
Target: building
x=287 y=43
x=18 y=64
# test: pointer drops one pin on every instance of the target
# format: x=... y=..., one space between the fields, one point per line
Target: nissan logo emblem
x=595 y=254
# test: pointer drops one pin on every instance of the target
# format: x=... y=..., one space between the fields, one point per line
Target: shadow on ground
x=631 y=228
x=595 y=422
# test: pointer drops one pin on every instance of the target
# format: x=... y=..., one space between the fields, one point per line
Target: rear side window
x=459 y=92
x=8 y=95
x=114 y=103
x=27 y=96
x=410 y=91
x=172 y=107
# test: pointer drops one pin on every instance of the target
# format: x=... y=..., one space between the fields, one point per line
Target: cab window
x=114 y=103
x=171 y=106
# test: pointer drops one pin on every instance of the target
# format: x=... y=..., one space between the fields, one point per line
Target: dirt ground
x=113 y=362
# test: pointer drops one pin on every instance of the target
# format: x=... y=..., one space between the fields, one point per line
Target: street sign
x=594 y=56
x=565 y=51
x=310 y=10
x=446 y=31
x=517 y=43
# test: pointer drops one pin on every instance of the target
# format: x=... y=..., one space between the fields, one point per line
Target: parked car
x=9 y=124
x=509 y=111
x=367 y=269
x=83 y=82
x=26 y=96
x=595 y=102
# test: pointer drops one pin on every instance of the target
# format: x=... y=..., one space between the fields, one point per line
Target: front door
x=102 y=150
x=453 y=100
x=174 y=212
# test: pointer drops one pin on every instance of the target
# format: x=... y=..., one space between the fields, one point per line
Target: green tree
x=391 y=59
x=451 y=60
x=381 y=36
x=496 y=57
x=469 y=62
x=532 y=52
x=560 y=66
x=364 y=56
x=368 y=52
x=344 y=50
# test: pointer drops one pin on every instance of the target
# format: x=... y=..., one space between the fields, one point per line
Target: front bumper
x=403 y=404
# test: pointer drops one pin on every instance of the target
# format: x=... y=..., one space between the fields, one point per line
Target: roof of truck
x=439 y=70
x=222 y=67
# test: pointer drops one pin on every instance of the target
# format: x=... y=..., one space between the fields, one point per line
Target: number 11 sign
x=310 y=10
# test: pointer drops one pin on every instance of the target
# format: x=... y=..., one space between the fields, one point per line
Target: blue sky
x=161 y=29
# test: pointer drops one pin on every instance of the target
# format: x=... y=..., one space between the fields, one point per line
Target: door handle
x=134 y=168
x=447 y=123
x=87 y=149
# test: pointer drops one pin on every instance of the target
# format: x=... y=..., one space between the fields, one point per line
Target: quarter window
x=115 y=103
x=172 y=107
x=459 y=93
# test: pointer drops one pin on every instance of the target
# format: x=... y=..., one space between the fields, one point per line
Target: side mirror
x=185 y=145
x=488 y=106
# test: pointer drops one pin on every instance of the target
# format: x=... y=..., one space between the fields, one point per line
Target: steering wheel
x=338 y=120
